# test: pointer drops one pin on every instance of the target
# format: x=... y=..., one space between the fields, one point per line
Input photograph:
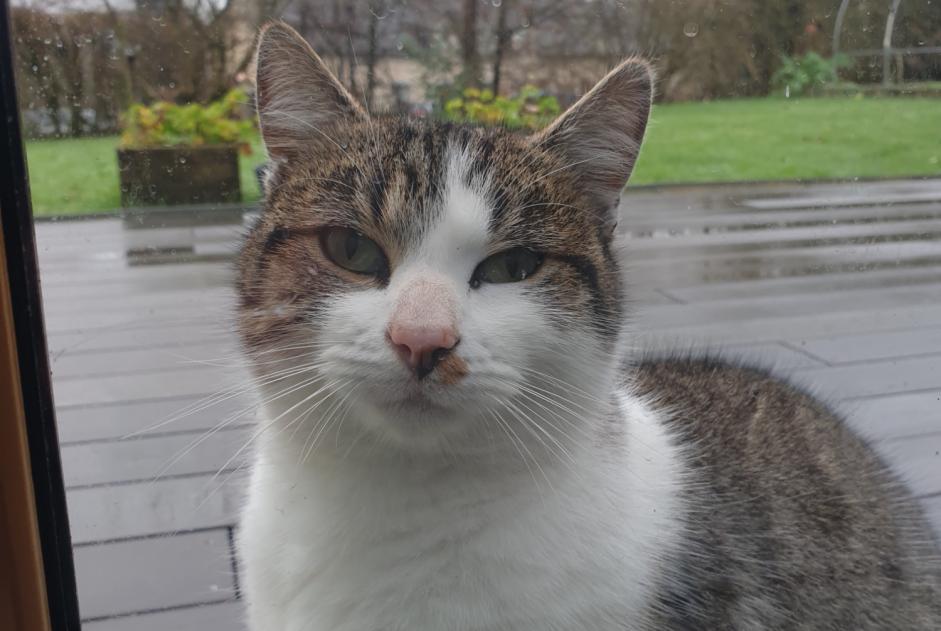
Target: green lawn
x=776 y=139
x=754 y=139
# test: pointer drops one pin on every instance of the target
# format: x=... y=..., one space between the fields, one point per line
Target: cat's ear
x=297 y=95
x=600 y=135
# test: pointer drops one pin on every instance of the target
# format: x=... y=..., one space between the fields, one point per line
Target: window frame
x=37 y=588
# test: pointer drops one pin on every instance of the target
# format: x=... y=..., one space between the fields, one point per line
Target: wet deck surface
x=838 y=285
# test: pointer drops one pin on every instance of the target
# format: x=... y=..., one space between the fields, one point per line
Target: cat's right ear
x=297 y=96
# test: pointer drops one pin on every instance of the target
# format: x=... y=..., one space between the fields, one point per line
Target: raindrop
x=382 y=14
x=152 y=188
x=47 y=41
x=60 y=43
x=344 y=146
x=182 y=159
x=45 y=57
x=173 y=84
x=496 y=3
x=691 y=29
x=399 y=45
x=35 y=68
x=787 y=91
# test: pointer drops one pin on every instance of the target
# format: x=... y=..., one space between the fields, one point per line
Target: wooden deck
x=838 y=285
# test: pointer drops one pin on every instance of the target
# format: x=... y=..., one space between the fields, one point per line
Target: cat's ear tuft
x=601 y=134
x=297 y=95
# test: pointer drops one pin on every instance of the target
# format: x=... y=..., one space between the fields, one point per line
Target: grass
x=721 y=141
x=777 y=139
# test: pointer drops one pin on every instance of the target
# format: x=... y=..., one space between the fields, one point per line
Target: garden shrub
x=802 y=75
x=163 y=124
x=530 y=109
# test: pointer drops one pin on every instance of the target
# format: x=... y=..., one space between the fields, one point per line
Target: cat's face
x=431 y=284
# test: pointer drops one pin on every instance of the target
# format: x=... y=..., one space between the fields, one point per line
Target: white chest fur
x=346 y=545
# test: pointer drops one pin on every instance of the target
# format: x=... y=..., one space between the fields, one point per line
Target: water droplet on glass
x=691 y=29
x=45 y=57
x=182 y=160
x=496 y=3
x=173 y=84
x=47 y=41
x=35 y=68
x=399 y=45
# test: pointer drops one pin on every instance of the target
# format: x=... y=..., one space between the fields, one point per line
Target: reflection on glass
x=785 y=207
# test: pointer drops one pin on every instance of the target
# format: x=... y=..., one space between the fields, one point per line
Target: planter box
x=165 y=176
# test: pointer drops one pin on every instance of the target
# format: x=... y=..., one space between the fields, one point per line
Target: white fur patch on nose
x=426 y=304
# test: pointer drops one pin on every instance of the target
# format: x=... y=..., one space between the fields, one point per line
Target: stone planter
x=166 y=176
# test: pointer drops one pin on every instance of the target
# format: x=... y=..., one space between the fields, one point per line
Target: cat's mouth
x=415 y=398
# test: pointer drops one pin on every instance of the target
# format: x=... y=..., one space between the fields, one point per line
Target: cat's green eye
x=510 y=266
x=353 y=251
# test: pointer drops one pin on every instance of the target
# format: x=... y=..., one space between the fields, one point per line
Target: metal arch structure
x=887 y=51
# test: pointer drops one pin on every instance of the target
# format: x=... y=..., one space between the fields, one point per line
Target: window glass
x=785 y=207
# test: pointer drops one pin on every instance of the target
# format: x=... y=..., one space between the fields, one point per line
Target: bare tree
x=470 y=56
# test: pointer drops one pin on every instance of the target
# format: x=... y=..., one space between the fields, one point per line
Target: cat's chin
x=417 y=421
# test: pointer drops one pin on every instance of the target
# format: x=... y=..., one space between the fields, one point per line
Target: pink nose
x=421 y=348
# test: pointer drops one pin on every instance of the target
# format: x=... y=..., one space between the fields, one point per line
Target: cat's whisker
x=529 y=420
x=219 y=427
x=328 y=420
x=529 y=453
x=272 y=422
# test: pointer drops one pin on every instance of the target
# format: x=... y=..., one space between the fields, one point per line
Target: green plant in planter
x=800 y=75
x=164 y=124
x=184 y=154
x=530 y=109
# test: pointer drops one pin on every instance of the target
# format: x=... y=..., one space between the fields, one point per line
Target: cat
x=455 y=436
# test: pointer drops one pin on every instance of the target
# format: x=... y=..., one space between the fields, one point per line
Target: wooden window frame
x=37 y=575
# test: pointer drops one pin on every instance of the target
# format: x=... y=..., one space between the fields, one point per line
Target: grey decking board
x=753 y=309
x=143 y=361
x=194 y=380
x=225 y=616
x=154 y=508
x=866 y=347
x=768 y=239
x=792 y=329
x=147 y=574
x=897 y=415
x=890 y=376
x=152 y=458
x=917 y=461
x=114 y=420
x=793 y=285
x=794 y=257
x=637 y=223
x=163 y=336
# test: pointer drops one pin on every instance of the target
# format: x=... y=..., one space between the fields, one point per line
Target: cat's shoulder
x=721 y=395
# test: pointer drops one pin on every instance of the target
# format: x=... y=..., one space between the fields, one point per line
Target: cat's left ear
x=600 y=136
x=298 y=98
